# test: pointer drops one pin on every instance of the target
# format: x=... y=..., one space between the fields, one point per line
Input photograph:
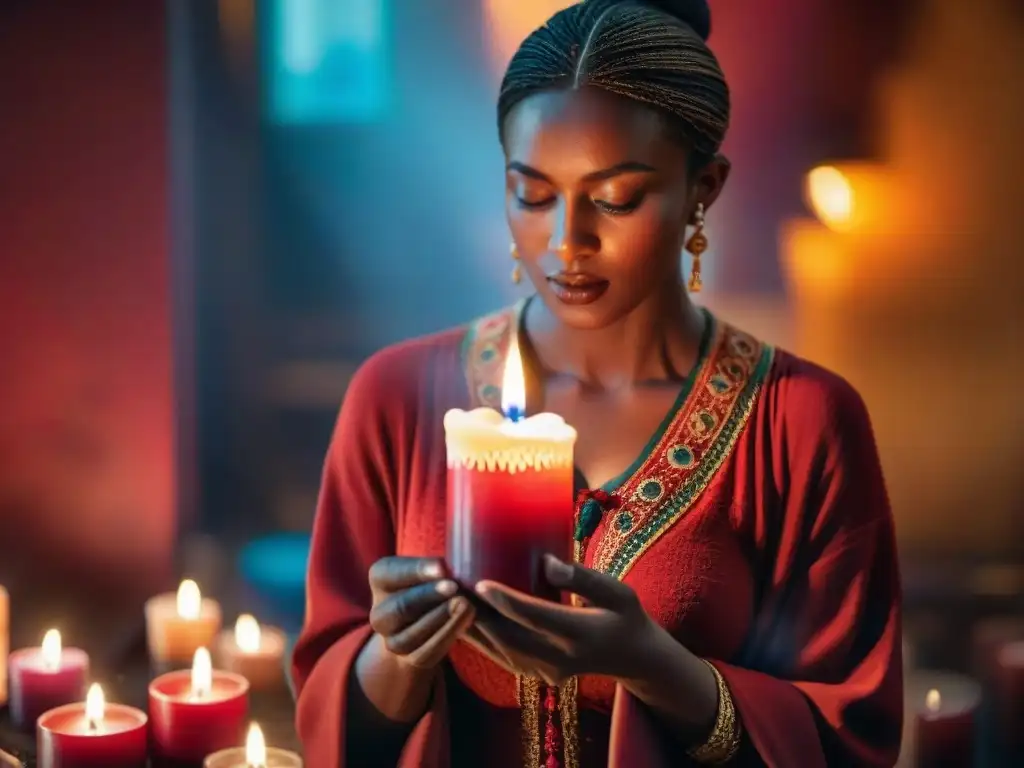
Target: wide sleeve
x=354 y=527
x=821 y=683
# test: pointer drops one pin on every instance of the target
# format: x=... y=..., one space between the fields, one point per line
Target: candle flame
x=202 y=674
x=190 y=600
x=513 y=383
x=255 y=748
x=94 y=705
x=51 y=649
x=831 y=196
x=933 y=701
x=247 y=633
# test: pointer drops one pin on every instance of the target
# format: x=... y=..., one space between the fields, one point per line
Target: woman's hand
x=415 y=610
x=608 y=636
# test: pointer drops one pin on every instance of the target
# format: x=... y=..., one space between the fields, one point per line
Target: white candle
x=253 y=651
x=178 y=623
x=255 y=754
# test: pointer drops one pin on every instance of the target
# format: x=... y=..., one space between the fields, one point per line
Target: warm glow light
x=247 y=633
x=51 y=649
x=190 y=601
x=94 y=705
x=513 y=383
x=255 y=748
x=830 y=194
x=202 y=674
x=933 y=701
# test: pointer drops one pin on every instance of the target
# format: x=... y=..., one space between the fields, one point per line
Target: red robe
x=756 y=530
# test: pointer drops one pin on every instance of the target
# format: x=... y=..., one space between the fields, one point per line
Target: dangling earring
x=696 y=245
x=517 y=273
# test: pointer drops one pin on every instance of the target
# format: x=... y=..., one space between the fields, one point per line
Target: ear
x=710 y=179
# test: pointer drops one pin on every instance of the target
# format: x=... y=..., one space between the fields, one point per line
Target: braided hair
x=651 y=51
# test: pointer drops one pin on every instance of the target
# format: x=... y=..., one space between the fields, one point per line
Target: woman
x=737 y=583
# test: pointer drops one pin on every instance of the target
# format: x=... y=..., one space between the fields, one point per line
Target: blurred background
x=212 y=210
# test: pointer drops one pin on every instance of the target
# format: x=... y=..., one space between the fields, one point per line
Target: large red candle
x=194 y=713
x=510 y=490
x=92 y=734
x=45 y=677
x=944 y=706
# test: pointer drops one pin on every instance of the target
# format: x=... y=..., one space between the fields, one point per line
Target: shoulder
x=812 y=402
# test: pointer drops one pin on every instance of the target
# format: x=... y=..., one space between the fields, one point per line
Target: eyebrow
x=630 y=166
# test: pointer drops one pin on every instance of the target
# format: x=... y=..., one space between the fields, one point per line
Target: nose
x=566 y=237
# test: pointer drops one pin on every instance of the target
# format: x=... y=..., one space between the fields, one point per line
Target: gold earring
x=517 y=273
x=696 y=245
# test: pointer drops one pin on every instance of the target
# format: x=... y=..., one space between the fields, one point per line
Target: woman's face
x=598 y=198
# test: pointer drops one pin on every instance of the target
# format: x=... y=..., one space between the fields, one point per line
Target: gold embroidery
x=724 y=742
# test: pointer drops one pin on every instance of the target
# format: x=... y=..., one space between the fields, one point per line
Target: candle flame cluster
x=255 y=748
x=95 y=704
x=831 y=196
x=51 y=650
x=202 y=674
x=247 y=633
x=190 y=600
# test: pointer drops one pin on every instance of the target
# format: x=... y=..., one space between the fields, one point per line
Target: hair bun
x=694 y=13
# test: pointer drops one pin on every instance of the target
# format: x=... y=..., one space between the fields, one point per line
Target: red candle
x=92 y=734
x=510 y=489
x=945 y=706
x=196 y=712
x=1008 y=693
x=45 y=677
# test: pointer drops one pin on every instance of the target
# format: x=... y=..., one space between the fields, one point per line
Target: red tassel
x=552 y=733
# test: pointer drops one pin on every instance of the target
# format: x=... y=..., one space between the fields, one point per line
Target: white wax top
x=483 y=439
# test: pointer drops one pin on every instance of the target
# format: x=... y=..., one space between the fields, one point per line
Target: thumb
x=598 y=589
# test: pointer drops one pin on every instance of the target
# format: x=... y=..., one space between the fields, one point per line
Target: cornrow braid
x=651 y=52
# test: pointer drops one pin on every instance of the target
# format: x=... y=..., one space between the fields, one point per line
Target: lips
x=577 y=288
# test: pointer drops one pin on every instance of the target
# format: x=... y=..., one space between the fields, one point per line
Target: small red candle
x=510 y=489
x=92 y=734
x=945 y=707
x=45 y=677
x=196 y=712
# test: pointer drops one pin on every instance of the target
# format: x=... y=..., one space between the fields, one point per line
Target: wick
x=515 y=413
x=93 y=725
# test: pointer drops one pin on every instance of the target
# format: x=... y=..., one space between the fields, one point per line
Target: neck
x=658 y=340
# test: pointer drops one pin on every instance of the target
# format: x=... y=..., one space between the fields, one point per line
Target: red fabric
x=785 y=565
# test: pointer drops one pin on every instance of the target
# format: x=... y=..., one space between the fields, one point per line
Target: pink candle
x=510 y=489
x=92 y=734
x=255 y=652
x=196 y=712
x=45 y=677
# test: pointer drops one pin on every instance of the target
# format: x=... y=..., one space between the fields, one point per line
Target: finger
x=542 y=616
x=474 y=637
x=398 y=611
x=433 y=651
x=515 y=642
x=410 y=638
x=595 y=587
x=391 y=574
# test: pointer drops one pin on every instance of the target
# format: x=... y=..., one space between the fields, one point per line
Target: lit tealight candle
x=944 y=725
x=510 y=481
x=255 y=754
x=92 y=734
x=196 y=711
x=45 y=677
x=255 y=652
x=177 y=623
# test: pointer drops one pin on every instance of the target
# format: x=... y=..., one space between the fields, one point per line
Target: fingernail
x=447 y=587
x=483 y=587
x=556 y=569
x=458 y=606
x=433 y=570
